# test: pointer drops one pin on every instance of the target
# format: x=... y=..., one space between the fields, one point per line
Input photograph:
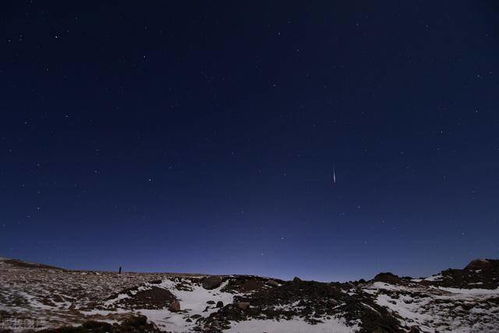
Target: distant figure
x=119 y=272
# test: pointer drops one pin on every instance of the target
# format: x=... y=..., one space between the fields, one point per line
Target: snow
x=438 y=308
x=383 y=285
x=28 y=298
x=291 y=326
x=194 y=302
x=436 y=277
x=407 y=311
x=473 y=292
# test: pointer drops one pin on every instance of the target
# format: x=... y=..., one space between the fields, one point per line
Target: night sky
x=203 y=136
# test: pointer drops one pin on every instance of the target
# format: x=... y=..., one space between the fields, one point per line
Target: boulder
x=174 y=306
x=243 y=305
x=220 y=304
x=212 y=282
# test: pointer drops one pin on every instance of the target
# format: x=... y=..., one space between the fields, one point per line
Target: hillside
x=36 y=297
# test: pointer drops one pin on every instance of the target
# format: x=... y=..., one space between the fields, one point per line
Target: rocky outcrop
x=482 y=265
x=212 y=282
x=309 y=300
x=388 y=278
x=136 y=324
x=245 y=283
x=144 y=298
x=479 y=273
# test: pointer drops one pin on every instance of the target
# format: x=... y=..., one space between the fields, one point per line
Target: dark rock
x=183 y=286
x=155 y=281
x=220 y=304
x=480 y=272
x=251 y=285
x=134 y=324
x=210 y=302
x=174 y=306
x=243 y=305
x=244 y=284
x=136 y=321
x=57 y=298
x=212 y=282
x=380 y=330
x=153 y=298
x=315 y=301
x=480 y=264
x=296 y=279
x=388 y=278
x=96 y=326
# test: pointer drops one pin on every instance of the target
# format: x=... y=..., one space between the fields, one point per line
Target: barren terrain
x=36 y=297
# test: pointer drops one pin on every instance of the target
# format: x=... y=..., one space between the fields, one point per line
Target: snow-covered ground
x=291 y=326
x=34 y=297
x=440 y=309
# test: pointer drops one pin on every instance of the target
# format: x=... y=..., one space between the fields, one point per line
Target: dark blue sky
x=201 y=136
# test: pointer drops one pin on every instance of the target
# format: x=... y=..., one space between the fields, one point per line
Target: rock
x=296 y=279
x=251 y=285
x=212 y=282
x=477 y=264
x=388 y=278
x=243 y=305
x=379 y=330
x=210 y=302
x=244 y=284
x=273 y=283
x=136 y=321
x=57 y=298
x=483 y=272
x=151 y=298
x=174 y=306
x=220 y=304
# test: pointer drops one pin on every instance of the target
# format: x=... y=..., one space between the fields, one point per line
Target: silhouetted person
x=119 y=272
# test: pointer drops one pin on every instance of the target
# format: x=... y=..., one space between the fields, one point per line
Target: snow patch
x=291 y=326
